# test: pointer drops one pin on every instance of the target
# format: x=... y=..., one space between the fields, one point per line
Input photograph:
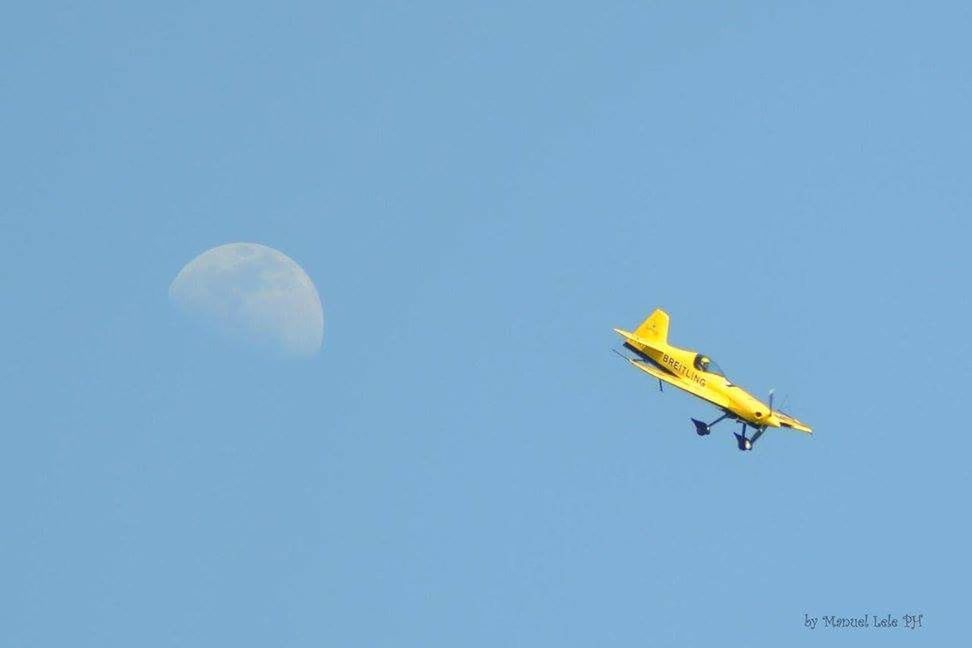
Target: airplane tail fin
x=655 y=328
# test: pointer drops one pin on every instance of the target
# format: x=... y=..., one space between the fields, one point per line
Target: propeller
x=771 y=392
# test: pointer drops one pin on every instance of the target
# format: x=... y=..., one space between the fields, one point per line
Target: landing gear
x=747 y=444
x=702 y=428
x=741 y=440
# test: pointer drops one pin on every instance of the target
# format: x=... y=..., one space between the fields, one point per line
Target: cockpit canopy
x=706 y=364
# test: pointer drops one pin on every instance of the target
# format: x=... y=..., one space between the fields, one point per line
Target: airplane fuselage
x=681 y=363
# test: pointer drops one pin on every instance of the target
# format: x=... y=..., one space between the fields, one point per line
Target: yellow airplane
x=700 y=376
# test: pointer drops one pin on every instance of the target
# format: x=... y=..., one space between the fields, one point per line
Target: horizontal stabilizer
x=631 y=338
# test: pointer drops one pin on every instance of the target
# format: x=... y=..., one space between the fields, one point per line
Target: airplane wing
x=701 y=392
x=788 y=421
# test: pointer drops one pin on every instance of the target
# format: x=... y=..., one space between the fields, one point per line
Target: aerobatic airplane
x=700 y=376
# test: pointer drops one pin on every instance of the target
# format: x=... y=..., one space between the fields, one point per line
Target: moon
x=253 y=293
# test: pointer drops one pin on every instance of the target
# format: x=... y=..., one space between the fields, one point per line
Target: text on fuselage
x=679 y=369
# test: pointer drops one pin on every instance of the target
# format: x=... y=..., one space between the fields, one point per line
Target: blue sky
x=480 y=194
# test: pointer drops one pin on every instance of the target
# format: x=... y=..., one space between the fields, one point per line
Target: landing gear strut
x=702 y=428
x=747 y=444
